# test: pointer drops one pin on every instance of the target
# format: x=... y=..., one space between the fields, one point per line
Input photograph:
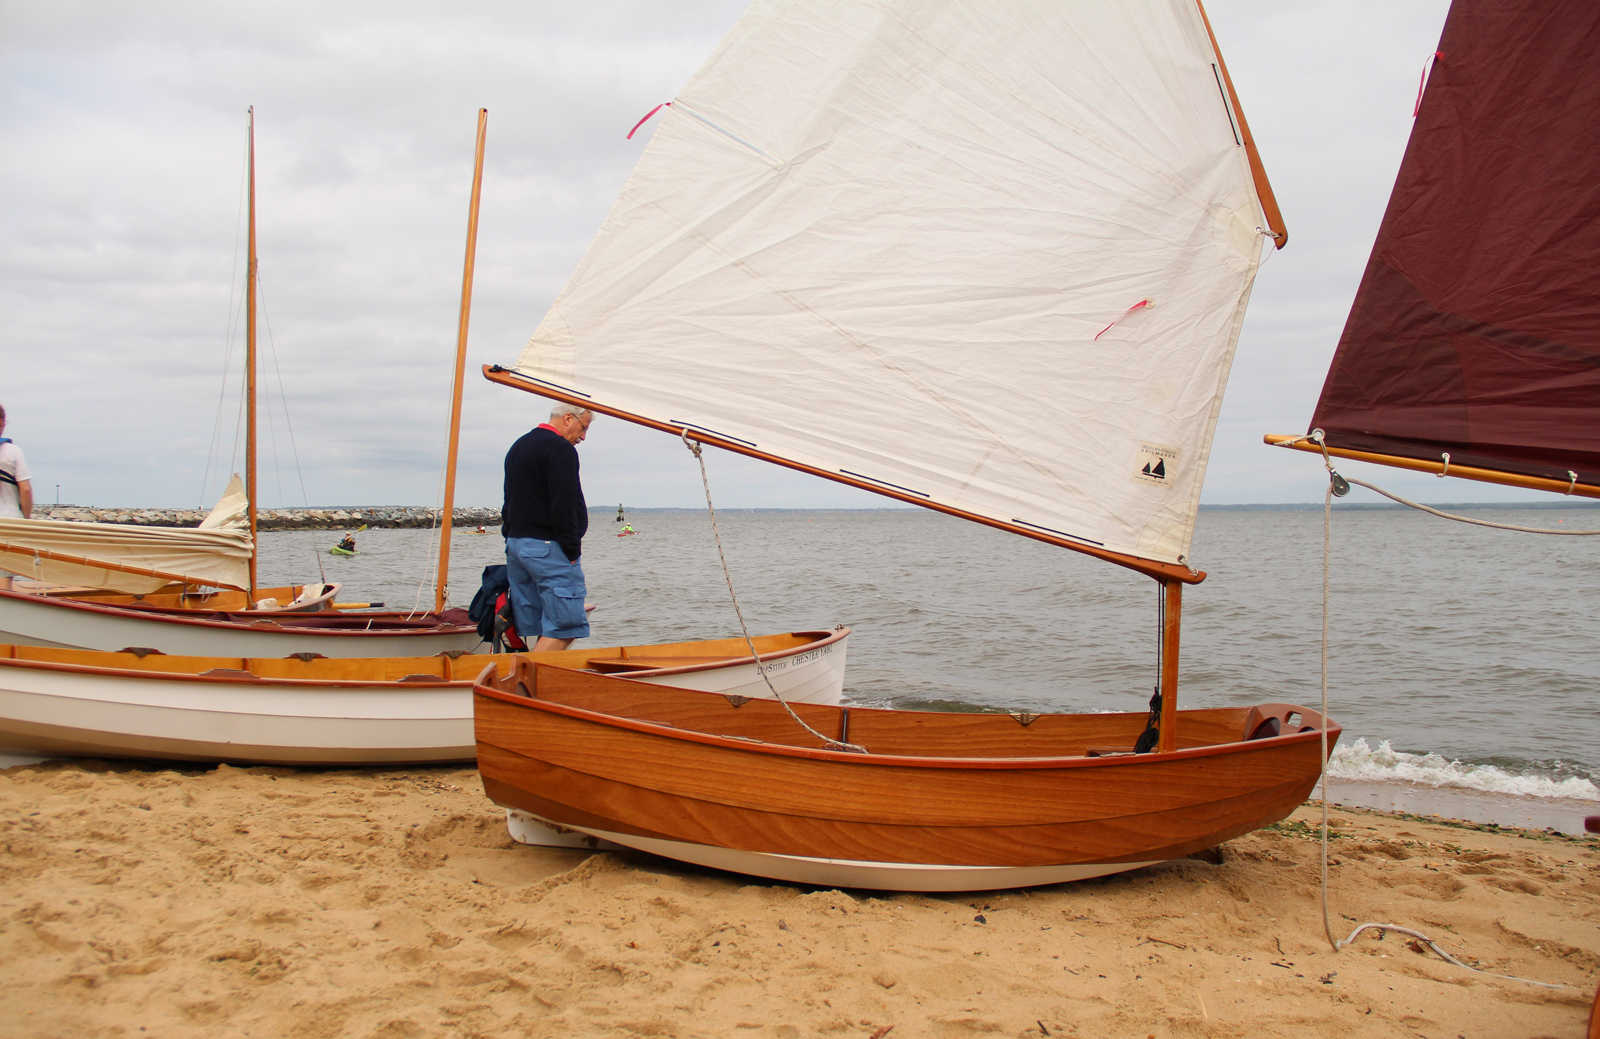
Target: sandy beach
x=142 y=901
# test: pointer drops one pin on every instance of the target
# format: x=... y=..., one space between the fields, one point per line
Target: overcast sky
x=122 y=131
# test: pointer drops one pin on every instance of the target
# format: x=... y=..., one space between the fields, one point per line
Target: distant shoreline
x=414 y=516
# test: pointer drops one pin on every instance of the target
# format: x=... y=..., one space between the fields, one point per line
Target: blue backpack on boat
x=491 y=610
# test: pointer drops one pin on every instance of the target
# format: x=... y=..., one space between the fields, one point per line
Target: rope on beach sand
x=1334 y=487
x=1430 y=943
x=695 y=449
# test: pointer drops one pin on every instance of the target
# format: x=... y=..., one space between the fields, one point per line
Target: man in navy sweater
x=544 y=519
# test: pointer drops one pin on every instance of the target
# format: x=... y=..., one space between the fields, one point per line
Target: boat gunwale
x=892 y=760
x=265 y=623
x=831 y=636
x=243 y=676
x=237 y=676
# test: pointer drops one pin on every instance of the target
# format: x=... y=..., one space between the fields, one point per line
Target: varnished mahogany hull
x=989 y=794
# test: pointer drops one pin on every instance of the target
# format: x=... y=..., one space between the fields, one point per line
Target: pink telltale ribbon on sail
x=646 y=119
x=1137 y=306
x=1421 y=83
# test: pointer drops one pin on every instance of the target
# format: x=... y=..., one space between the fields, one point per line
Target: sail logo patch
x=1156 y=464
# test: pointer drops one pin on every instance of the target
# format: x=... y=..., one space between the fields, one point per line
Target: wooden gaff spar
x=990 y=259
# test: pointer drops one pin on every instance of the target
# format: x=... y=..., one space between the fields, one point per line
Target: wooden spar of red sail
x=442 y=586
x=1475 y=332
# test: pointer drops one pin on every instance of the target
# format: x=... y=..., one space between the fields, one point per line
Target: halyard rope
x=1463 y=519
x=695 y=449
x=1334 y=480
x=1327 y=567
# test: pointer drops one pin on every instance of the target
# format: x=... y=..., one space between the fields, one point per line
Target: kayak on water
x=337 y=551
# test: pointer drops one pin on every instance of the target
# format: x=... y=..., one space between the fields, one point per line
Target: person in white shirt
x=16 y=486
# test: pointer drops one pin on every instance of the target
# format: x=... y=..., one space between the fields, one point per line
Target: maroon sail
x=1476 y=329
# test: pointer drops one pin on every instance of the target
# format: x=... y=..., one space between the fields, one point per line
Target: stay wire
x=429 y=572
x=230 y=330
x=696 y=450
x=283 y=398
x=1334 y=480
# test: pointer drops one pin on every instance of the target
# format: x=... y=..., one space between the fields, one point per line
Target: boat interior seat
x=1268 y=728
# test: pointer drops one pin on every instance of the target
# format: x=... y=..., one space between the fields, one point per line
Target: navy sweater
x=543 y=497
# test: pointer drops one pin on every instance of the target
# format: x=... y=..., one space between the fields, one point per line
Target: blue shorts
x=547 y=591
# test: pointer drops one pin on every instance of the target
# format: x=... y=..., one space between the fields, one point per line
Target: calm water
x=1459 y=654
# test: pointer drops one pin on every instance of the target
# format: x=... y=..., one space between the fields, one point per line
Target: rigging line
x=828 y=741
x=283 y=398
x=1327 y=568
x=1465 y=519
x=235 y=463
x=1334 y=481
x=1430 y=943
x=432 y=566
x=228 y=329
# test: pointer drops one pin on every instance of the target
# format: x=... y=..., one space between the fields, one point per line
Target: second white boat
x=316 y=711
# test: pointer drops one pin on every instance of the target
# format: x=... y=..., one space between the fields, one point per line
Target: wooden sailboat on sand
x=986 y=258
x=195 y=592
x=299 y=708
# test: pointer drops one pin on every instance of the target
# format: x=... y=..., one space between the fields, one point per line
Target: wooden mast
x=1171 y=617
x=442 y=587
x=250 y=365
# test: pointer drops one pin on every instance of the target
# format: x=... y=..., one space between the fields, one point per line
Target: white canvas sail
x=136 y=560
x=992 y=253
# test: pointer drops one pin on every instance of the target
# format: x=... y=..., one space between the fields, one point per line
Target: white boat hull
x=59 y=710
x=30 y=620
x=56 y=713
x=526 y=828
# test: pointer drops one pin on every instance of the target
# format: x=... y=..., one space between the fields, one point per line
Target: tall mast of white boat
x=442 y=587
x=250 y=363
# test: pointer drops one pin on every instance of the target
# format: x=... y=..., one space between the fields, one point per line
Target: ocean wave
x=1384 y=764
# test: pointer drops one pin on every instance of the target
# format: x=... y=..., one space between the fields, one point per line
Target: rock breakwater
x=278 y=519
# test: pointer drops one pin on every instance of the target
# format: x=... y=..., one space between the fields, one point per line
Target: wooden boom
x=1149 y=567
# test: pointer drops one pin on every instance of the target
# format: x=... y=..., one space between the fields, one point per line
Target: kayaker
x=349 y=543
x=545 y=518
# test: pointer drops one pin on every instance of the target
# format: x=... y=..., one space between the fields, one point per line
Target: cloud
x=121 y=250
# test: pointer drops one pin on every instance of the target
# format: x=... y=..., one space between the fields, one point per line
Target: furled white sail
x=995 y=253
x=133 y=559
